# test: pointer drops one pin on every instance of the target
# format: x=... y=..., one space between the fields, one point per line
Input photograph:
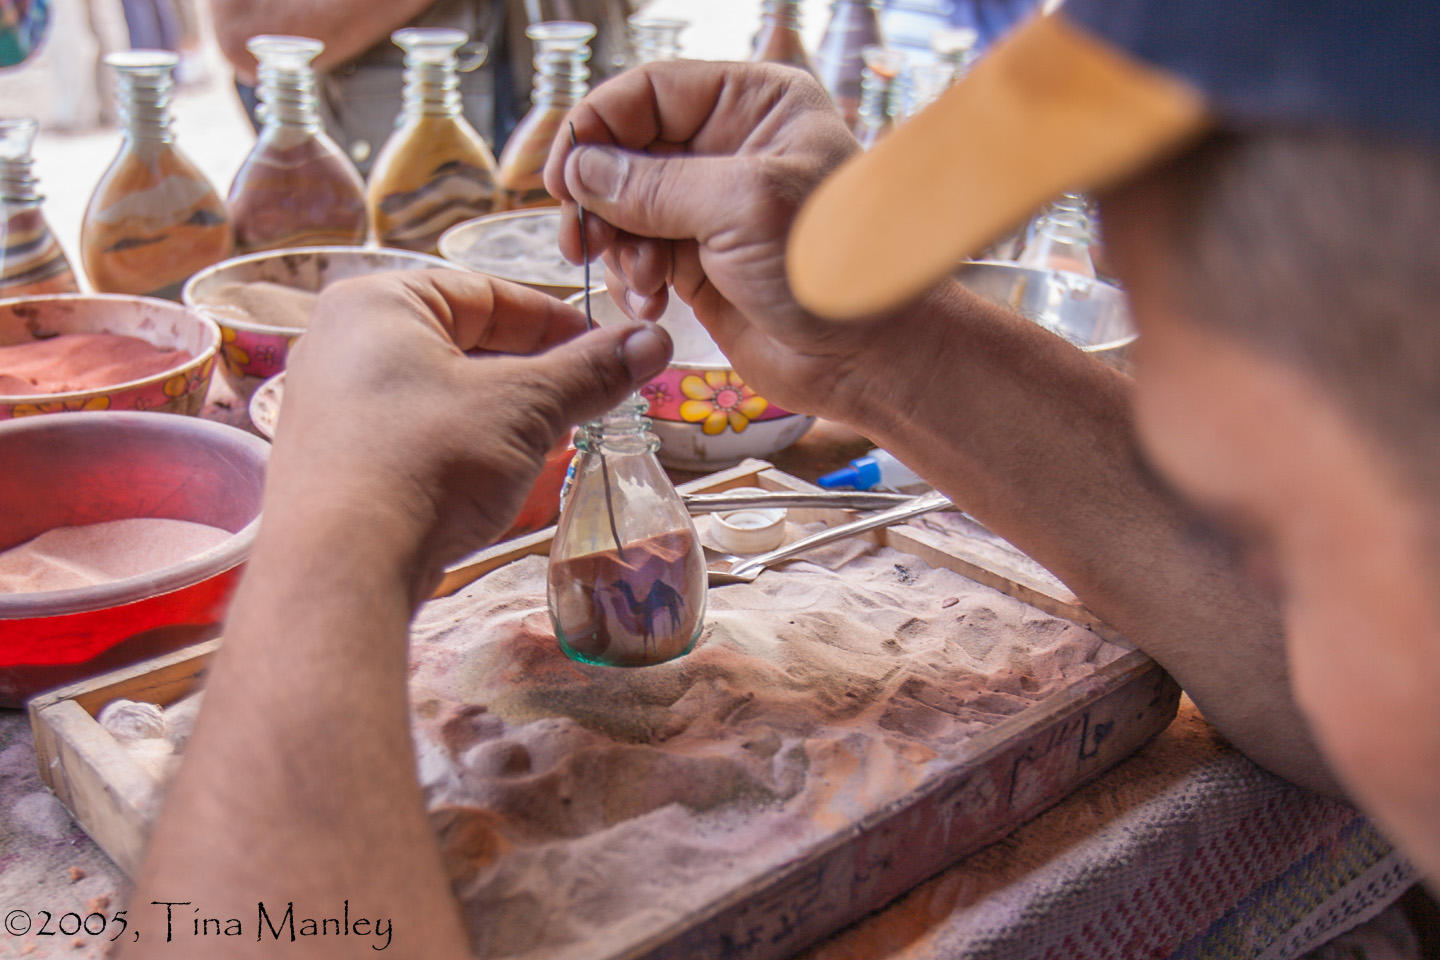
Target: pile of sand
x=69 y=557
x=81 y=361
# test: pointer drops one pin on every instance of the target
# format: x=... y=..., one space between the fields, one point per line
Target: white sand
x=580 y=808
x=68 y=557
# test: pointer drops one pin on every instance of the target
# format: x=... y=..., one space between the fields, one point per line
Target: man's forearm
x=1036 y=440
x=346 y=27
x=298 y=785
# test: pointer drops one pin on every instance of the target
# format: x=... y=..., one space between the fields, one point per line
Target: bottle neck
x=656 y=40
x=432 y=89
x=288 y=99
x=562 y=76
x=783 y=14
x=145 y=106
x=1067 y=218
x=876 y=97
x=624 y=431
x=18 y=185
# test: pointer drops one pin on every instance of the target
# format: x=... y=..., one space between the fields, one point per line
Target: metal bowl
x=94 y=467
x=1091 y=314
x=253 y=349
x=181 y=389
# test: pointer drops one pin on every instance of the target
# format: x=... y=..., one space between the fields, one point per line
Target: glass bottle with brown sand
x=854 y=25
x=779 y=38
x=296 y=188
x=153 y=219
x=562 y=76
x=32 y=262
x=626 y=580
x=435 y=170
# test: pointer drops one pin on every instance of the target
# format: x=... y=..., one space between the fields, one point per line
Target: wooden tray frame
x=1011 y=773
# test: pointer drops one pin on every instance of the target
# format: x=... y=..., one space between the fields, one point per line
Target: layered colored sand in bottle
x=626 y=583
x=435 y=170
x=296 y=188
x=153 y=219
x=561 y=78
x=81 y=361
x=31 y=260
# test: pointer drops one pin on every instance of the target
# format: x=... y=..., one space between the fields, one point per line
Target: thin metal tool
x=590 y=325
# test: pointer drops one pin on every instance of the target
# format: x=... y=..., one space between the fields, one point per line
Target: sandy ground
x=211 y=127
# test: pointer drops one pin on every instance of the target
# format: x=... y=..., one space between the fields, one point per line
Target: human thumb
x=673 y=197
x=592 y=373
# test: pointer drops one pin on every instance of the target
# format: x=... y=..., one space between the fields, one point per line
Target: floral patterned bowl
x=181 y=389
x=253 y=349
x=705 y=415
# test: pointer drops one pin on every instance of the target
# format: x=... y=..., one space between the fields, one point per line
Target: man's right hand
x=694 y=173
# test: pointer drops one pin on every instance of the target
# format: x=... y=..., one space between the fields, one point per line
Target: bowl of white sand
x=706 y=416
x=262 y=301
x=122 y=536
x=72 y=352
x=522 y=246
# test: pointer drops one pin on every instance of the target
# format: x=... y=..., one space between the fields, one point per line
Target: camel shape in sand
x=638 y=615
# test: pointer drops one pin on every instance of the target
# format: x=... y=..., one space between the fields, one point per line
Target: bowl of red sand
x=76 y=352
x=121 y=537
x=262 y=301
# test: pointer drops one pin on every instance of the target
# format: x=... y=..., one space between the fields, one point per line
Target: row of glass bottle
x=154 y=219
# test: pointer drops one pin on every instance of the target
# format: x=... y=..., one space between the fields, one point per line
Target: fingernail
x=634 y=304
x=645 y=352
x=601 y=170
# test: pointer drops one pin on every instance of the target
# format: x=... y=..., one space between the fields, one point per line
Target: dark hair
x=1321 y=250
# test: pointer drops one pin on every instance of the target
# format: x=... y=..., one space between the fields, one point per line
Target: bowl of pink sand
x=74 y=352
x=262 y=301
x=121 y=537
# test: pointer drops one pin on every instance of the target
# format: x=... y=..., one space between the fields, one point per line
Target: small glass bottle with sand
x=562 y=50
x=626 y=582
x=854 y=25
x=435 y=170
x=779 y=38
x=655 y=39
x=296 y=188
x=153 y=219
x=879 y=94
x=31 y=260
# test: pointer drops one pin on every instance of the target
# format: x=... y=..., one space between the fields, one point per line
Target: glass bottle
x=296 y=188
x=435 y=170
x=779 y=38
x=839 y=63
x=626 y=581
x=955 y=46
x=879 y=94
x=153 y=219
x=31 y=260
x=655 y=39
x=1061 y=238
x=561 y=78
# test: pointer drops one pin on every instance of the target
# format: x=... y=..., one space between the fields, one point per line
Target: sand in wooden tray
x=81 y=361
x=580 y=808
x=70 y=557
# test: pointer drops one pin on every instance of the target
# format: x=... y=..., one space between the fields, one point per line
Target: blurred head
x=1287 y=290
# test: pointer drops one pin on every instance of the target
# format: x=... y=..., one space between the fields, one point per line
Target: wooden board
x=1009 y=773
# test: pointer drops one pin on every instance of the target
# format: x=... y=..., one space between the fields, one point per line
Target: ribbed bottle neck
x=432 y=89
x=623 y=431
x=876 y=95
x=288 y=99
x=655 y=40
x=781 y=13
x=18 y=184
x=562 y=74
x=1067 y=218
x=145 y=105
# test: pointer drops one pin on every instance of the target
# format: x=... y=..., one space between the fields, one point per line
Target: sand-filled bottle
x=296 y=188
x=779 y=38
x=562 y=77
x=655 y=39
x=839 y=63
x=31 y=260
x=153 y=219
x=626 y=582
x=435 y=170
x=879 y=94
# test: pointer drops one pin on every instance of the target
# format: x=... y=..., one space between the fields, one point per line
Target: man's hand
x=414 y=396
x=694 y=173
